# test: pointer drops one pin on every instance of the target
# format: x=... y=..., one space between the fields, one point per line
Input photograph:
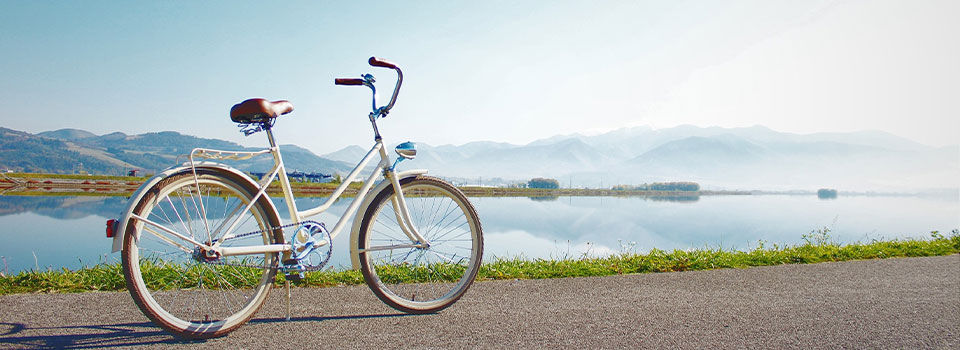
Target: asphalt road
x=891 y=303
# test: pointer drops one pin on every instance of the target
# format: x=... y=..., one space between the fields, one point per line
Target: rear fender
x=147 y=185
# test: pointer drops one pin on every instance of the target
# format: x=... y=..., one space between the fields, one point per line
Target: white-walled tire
x=421 y=280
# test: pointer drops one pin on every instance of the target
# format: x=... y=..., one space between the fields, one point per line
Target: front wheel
x=421 y=279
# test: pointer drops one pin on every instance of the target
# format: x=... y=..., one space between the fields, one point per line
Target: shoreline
x=26 y=184
x=37 y=184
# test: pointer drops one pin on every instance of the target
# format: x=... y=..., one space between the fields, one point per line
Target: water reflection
x=682 y=199
x=42 y=231
x=59 y=207
x=576 y=226
x=665 y=198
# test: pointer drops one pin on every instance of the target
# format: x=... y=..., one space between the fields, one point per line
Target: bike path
x=890 y=303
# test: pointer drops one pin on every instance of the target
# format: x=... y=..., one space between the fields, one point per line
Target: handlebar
x=379 y=62
x=368 y=81
x=348 y=81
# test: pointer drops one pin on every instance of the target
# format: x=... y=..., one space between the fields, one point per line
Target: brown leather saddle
x=258 y=110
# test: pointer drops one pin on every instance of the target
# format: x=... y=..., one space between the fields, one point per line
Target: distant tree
x=827 y=193
x=539 y=182
x=674 y=186
x=660 y=186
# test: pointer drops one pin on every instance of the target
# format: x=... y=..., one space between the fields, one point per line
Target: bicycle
x=202 y=242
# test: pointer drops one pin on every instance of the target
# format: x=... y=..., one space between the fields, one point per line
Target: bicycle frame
x=383 y=168
x=278 y=171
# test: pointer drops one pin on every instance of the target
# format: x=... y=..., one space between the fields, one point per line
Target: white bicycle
x=202 y=242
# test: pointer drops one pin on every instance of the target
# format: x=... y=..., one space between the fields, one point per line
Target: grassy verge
x=817 y=247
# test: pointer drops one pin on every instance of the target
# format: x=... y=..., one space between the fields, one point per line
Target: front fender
x=358 y=218
x=147 y=185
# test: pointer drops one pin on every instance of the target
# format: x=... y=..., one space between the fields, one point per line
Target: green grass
x=817 y=247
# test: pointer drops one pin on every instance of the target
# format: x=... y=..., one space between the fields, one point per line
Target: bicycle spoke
x=167 y=240
x=177 y=213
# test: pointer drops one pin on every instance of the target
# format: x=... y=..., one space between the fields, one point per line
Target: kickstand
x=288 y=300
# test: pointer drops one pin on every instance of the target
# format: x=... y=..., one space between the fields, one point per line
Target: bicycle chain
x=281 y=267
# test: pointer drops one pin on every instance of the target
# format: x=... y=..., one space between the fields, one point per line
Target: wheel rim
x=192 y=295
x=439 y=273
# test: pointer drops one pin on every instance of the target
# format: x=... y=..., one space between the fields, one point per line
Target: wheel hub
x=205 y=255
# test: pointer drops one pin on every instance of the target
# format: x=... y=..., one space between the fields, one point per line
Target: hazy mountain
x=349 y=154
x=750 y=158
x=699 y=151
x=719 y=158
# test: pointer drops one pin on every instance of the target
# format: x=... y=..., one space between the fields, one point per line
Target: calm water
x=55 y=232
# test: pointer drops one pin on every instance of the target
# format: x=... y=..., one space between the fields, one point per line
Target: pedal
x=293 y=270
x=294 y=276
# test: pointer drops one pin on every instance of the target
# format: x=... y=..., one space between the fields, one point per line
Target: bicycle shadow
x=125 y=334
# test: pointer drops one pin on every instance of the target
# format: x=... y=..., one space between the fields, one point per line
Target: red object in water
x=111 y=227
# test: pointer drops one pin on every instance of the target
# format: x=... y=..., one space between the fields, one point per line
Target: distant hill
x=71 y=150
x=20 y=151
x=299 y=158
x=67 y=134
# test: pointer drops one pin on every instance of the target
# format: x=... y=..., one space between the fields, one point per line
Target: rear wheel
x=421 y=279
x=179 y=287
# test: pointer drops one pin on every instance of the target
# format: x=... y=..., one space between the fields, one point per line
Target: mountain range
x=717 y=158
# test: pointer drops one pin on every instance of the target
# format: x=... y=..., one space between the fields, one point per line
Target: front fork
x=402 y=213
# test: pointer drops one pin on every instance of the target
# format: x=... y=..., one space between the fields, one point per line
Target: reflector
x=111 y=227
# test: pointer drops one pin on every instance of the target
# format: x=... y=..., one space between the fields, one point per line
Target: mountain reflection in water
x=68 y=231
x=61 y=207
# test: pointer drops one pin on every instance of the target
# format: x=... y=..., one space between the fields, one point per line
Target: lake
x=54 y=232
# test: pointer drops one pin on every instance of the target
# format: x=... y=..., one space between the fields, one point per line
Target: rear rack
x=215 y=154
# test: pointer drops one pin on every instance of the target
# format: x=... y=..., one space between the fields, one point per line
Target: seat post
x=275 y=150
x=282 y=175
x=269 y=131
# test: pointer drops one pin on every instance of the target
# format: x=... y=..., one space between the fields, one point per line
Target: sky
x=505 y=71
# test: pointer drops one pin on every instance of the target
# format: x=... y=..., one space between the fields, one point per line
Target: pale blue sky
x=483 y=70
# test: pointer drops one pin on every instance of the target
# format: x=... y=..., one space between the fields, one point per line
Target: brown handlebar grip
x=348 y=81
x=379 y=62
